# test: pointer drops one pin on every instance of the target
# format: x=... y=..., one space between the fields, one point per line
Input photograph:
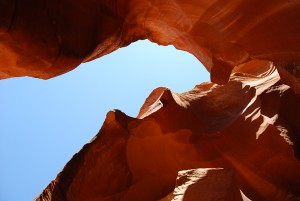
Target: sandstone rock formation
x=247 y=120
x=47 y=38
x=206 y=184
x=242 y=125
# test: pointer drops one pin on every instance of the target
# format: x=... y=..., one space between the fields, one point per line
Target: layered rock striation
x=243 y=125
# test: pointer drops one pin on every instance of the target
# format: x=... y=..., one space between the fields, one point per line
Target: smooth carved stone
x=206 y=184
x=47 y=38
x=249 y=125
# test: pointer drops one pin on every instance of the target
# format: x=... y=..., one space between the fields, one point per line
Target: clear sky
x=43 y=123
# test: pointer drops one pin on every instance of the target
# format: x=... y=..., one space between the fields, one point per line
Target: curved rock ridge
x=245 y=122
x=248 y=126
x=47 y=38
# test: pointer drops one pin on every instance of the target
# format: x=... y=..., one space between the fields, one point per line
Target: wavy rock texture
x=47 y=38
x=242 y=125
x=247 y=122
x=206 y=184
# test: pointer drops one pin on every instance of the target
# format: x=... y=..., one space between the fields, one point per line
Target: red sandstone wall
x=47 y=38
x=249 y=125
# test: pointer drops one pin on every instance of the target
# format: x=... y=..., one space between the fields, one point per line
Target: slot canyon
x=234 y=138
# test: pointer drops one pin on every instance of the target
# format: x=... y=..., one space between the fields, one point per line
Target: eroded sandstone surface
x=206 y=184
x=246 y=120
x=244 y=125
x=47 y=38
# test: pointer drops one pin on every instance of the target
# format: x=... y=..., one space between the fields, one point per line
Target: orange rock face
x=46 y=39
x=206 y=184
x=245 y=125
x=247 y=120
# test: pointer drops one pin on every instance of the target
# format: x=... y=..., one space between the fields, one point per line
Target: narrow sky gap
x=43 y=123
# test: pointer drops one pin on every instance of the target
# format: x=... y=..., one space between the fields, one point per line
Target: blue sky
x=44 y=122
